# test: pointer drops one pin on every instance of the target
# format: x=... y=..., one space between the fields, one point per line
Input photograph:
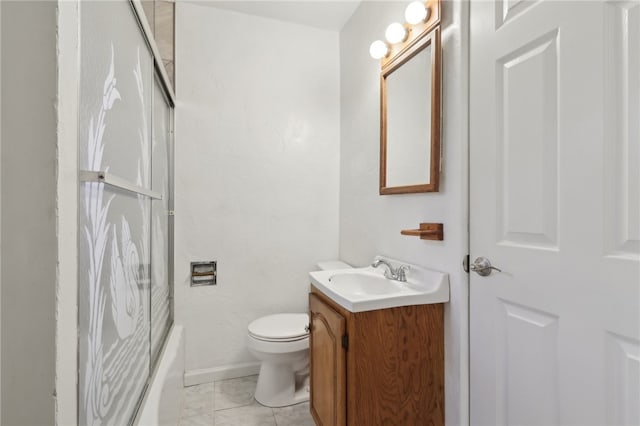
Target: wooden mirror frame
x=420 y=37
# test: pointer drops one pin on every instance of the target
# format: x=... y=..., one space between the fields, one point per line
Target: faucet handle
x=402 y=272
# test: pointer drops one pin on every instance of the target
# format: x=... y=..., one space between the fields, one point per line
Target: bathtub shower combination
x=125 y=263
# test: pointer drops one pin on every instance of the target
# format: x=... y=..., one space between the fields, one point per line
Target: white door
x=555 y=204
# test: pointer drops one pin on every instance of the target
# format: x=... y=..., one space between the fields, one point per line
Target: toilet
x=281 y=343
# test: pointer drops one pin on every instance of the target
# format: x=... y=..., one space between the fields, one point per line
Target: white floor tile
x=197 y=405
x=201 y=420
x=234 y=392
x=231 y=403
x=204 y=390
x=295 y=415
x=248 y=415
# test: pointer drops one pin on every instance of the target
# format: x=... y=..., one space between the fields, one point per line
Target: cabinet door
x=328 y=364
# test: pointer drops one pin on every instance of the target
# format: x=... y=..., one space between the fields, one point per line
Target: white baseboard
x=232 y=371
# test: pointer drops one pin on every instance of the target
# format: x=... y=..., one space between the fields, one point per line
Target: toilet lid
x=280 y=327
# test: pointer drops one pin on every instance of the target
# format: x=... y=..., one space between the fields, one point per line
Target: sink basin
x=367 y=289
x=363 y=284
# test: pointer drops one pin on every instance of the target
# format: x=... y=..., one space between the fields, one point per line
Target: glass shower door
x=116 y=87
x=160 y=214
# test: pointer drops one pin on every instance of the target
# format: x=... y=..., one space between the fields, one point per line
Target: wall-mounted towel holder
x=427 y=231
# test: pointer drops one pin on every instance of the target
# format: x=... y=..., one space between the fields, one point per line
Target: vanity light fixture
x=378 y=49
x=416 y=12
x=396 y=33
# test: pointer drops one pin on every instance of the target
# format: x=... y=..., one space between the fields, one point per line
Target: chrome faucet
x=399 y=274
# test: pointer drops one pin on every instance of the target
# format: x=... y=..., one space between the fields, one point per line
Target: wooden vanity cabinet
x=383 y=367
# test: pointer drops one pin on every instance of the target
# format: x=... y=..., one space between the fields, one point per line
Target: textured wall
x=370 y=224
x=257 y=171
x=28 y=211
x=66 y=392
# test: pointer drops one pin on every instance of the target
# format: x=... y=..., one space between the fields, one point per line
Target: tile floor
x=231 y=403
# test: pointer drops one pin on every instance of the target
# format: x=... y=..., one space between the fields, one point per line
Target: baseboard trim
x=231 y=371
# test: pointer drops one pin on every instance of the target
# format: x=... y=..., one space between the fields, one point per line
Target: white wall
x=257 y=171
x=66 y=298
x=28 y=211
x=370 y=224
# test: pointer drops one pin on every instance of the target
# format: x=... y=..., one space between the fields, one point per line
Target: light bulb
x=378 y=49
x=416 y=12
x=395 y=33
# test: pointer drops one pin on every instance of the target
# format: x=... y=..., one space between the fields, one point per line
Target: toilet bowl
x=281 y=343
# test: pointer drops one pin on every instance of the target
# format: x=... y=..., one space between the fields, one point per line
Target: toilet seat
x=280 y=328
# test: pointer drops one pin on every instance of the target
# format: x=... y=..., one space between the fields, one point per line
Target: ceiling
x=325 y=14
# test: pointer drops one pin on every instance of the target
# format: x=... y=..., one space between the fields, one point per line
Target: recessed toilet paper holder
x=204 y=273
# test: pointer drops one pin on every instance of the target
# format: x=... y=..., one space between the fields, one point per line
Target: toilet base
x=279 y=386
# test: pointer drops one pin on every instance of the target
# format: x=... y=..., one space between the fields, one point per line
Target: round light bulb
x=416 y=12
x=378 y=49
x=395 y=33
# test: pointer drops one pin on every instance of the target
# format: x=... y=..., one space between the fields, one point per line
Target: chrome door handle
x=483 y=267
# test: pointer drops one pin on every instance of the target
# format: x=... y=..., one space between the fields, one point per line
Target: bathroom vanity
x=375 y=366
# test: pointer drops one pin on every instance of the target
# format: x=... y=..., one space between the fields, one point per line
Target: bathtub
x=163 y=400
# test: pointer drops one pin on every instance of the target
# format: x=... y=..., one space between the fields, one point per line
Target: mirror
x=410 y=118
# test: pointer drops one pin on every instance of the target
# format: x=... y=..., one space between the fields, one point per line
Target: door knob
x=483 y=267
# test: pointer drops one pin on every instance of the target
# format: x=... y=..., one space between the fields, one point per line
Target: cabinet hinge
x=345 y=341
x=465 y=263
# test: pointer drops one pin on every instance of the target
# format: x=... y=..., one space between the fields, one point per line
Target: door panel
x=328 y=362
x=526 y=103
x=623 y=390
x=528 y=343
x=622 y=125
x=555 y=204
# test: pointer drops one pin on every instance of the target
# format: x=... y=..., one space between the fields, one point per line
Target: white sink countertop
x=367 y=289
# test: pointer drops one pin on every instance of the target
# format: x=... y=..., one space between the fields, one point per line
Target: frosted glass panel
x=114 y=304
x=160 y=291
x=115 y=91
x=115 y=227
